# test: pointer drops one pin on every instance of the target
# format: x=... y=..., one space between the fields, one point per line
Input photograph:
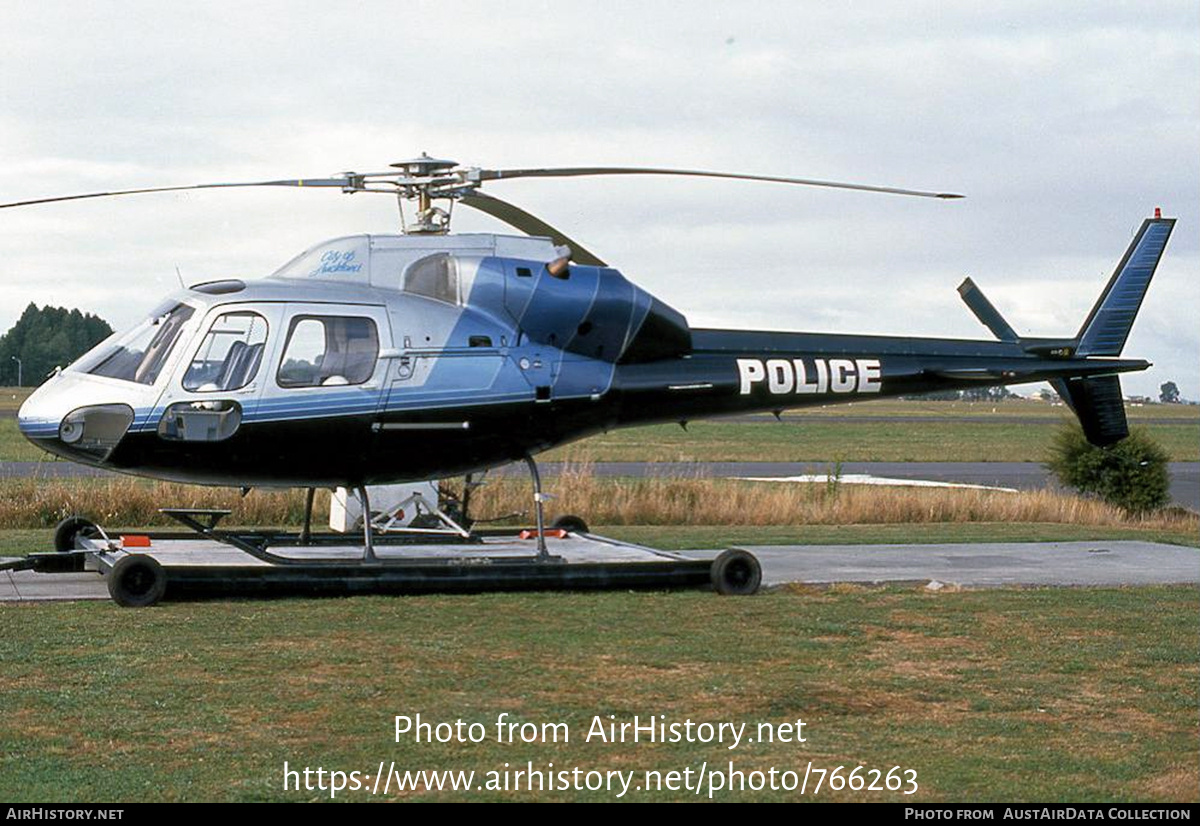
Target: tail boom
x=734 y=371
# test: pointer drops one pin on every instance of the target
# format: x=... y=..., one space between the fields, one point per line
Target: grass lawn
x=11 y=398
x=1014 y=695
x=1045 y=695
x=825 y=439
x=16 y=448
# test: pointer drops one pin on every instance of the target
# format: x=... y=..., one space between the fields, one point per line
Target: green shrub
x=1131 y=474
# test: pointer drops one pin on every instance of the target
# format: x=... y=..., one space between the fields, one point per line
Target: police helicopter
x=375 y=359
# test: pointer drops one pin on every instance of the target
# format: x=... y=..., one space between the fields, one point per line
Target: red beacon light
x=1158 y=212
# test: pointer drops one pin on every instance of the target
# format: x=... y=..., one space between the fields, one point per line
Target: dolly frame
x=145 y=568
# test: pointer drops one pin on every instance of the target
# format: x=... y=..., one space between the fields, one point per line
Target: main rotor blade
x=314 y=182
x=576 y=171
x=514 y=216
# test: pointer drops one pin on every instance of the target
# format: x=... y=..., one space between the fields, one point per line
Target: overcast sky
x=1064 y=123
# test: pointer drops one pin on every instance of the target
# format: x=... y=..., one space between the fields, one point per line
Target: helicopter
x=376 y=359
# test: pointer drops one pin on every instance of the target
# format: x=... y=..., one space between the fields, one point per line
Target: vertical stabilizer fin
x=985 y=311
x=1098 y=403
x=1107 y=326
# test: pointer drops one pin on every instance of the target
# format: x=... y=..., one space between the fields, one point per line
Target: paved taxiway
x=978 y=565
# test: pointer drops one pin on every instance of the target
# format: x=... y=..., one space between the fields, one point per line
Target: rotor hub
x=423 y=166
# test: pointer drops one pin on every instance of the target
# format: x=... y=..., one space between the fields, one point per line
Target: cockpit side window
x=141 y=353
x=329 y=351
x=229 y=356
x=433 y=277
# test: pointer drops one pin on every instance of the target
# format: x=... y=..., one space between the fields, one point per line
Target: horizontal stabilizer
x=1107 y=326
x=985 y=311
x=1098 y=403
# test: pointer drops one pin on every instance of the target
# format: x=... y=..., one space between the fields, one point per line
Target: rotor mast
x=417 y=180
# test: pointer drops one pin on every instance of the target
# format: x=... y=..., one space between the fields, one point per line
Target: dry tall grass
x=700 y=501
x=29 y=503
x=37 y=503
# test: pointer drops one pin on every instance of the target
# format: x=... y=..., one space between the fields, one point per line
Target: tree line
x=45 y=338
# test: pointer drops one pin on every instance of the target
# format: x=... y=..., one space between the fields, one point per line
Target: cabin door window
x=329 y=351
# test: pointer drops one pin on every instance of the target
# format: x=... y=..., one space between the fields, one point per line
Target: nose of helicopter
x=36 y=417
x=58 y=418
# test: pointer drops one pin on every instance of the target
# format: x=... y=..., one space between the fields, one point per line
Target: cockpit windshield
x=141 y=353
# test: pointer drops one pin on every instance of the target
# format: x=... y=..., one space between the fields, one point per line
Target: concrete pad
x=26 y=586
x=1099 y=563
x=992 y=564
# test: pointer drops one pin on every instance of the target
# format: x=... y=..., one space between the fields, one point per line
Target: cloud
x=1065 y=124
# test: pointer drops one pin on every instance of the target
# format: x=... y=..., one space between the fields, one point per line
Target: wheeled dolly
x=143 y=569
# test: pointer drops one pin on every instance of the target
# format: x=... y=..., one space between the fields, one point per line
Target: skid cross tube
x=192 y=517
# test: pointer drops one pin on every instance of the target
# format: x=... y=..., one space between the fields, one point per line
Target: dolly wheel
x=573 y=524
x=71 y=527
x=137 y=581
x=736 y=573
